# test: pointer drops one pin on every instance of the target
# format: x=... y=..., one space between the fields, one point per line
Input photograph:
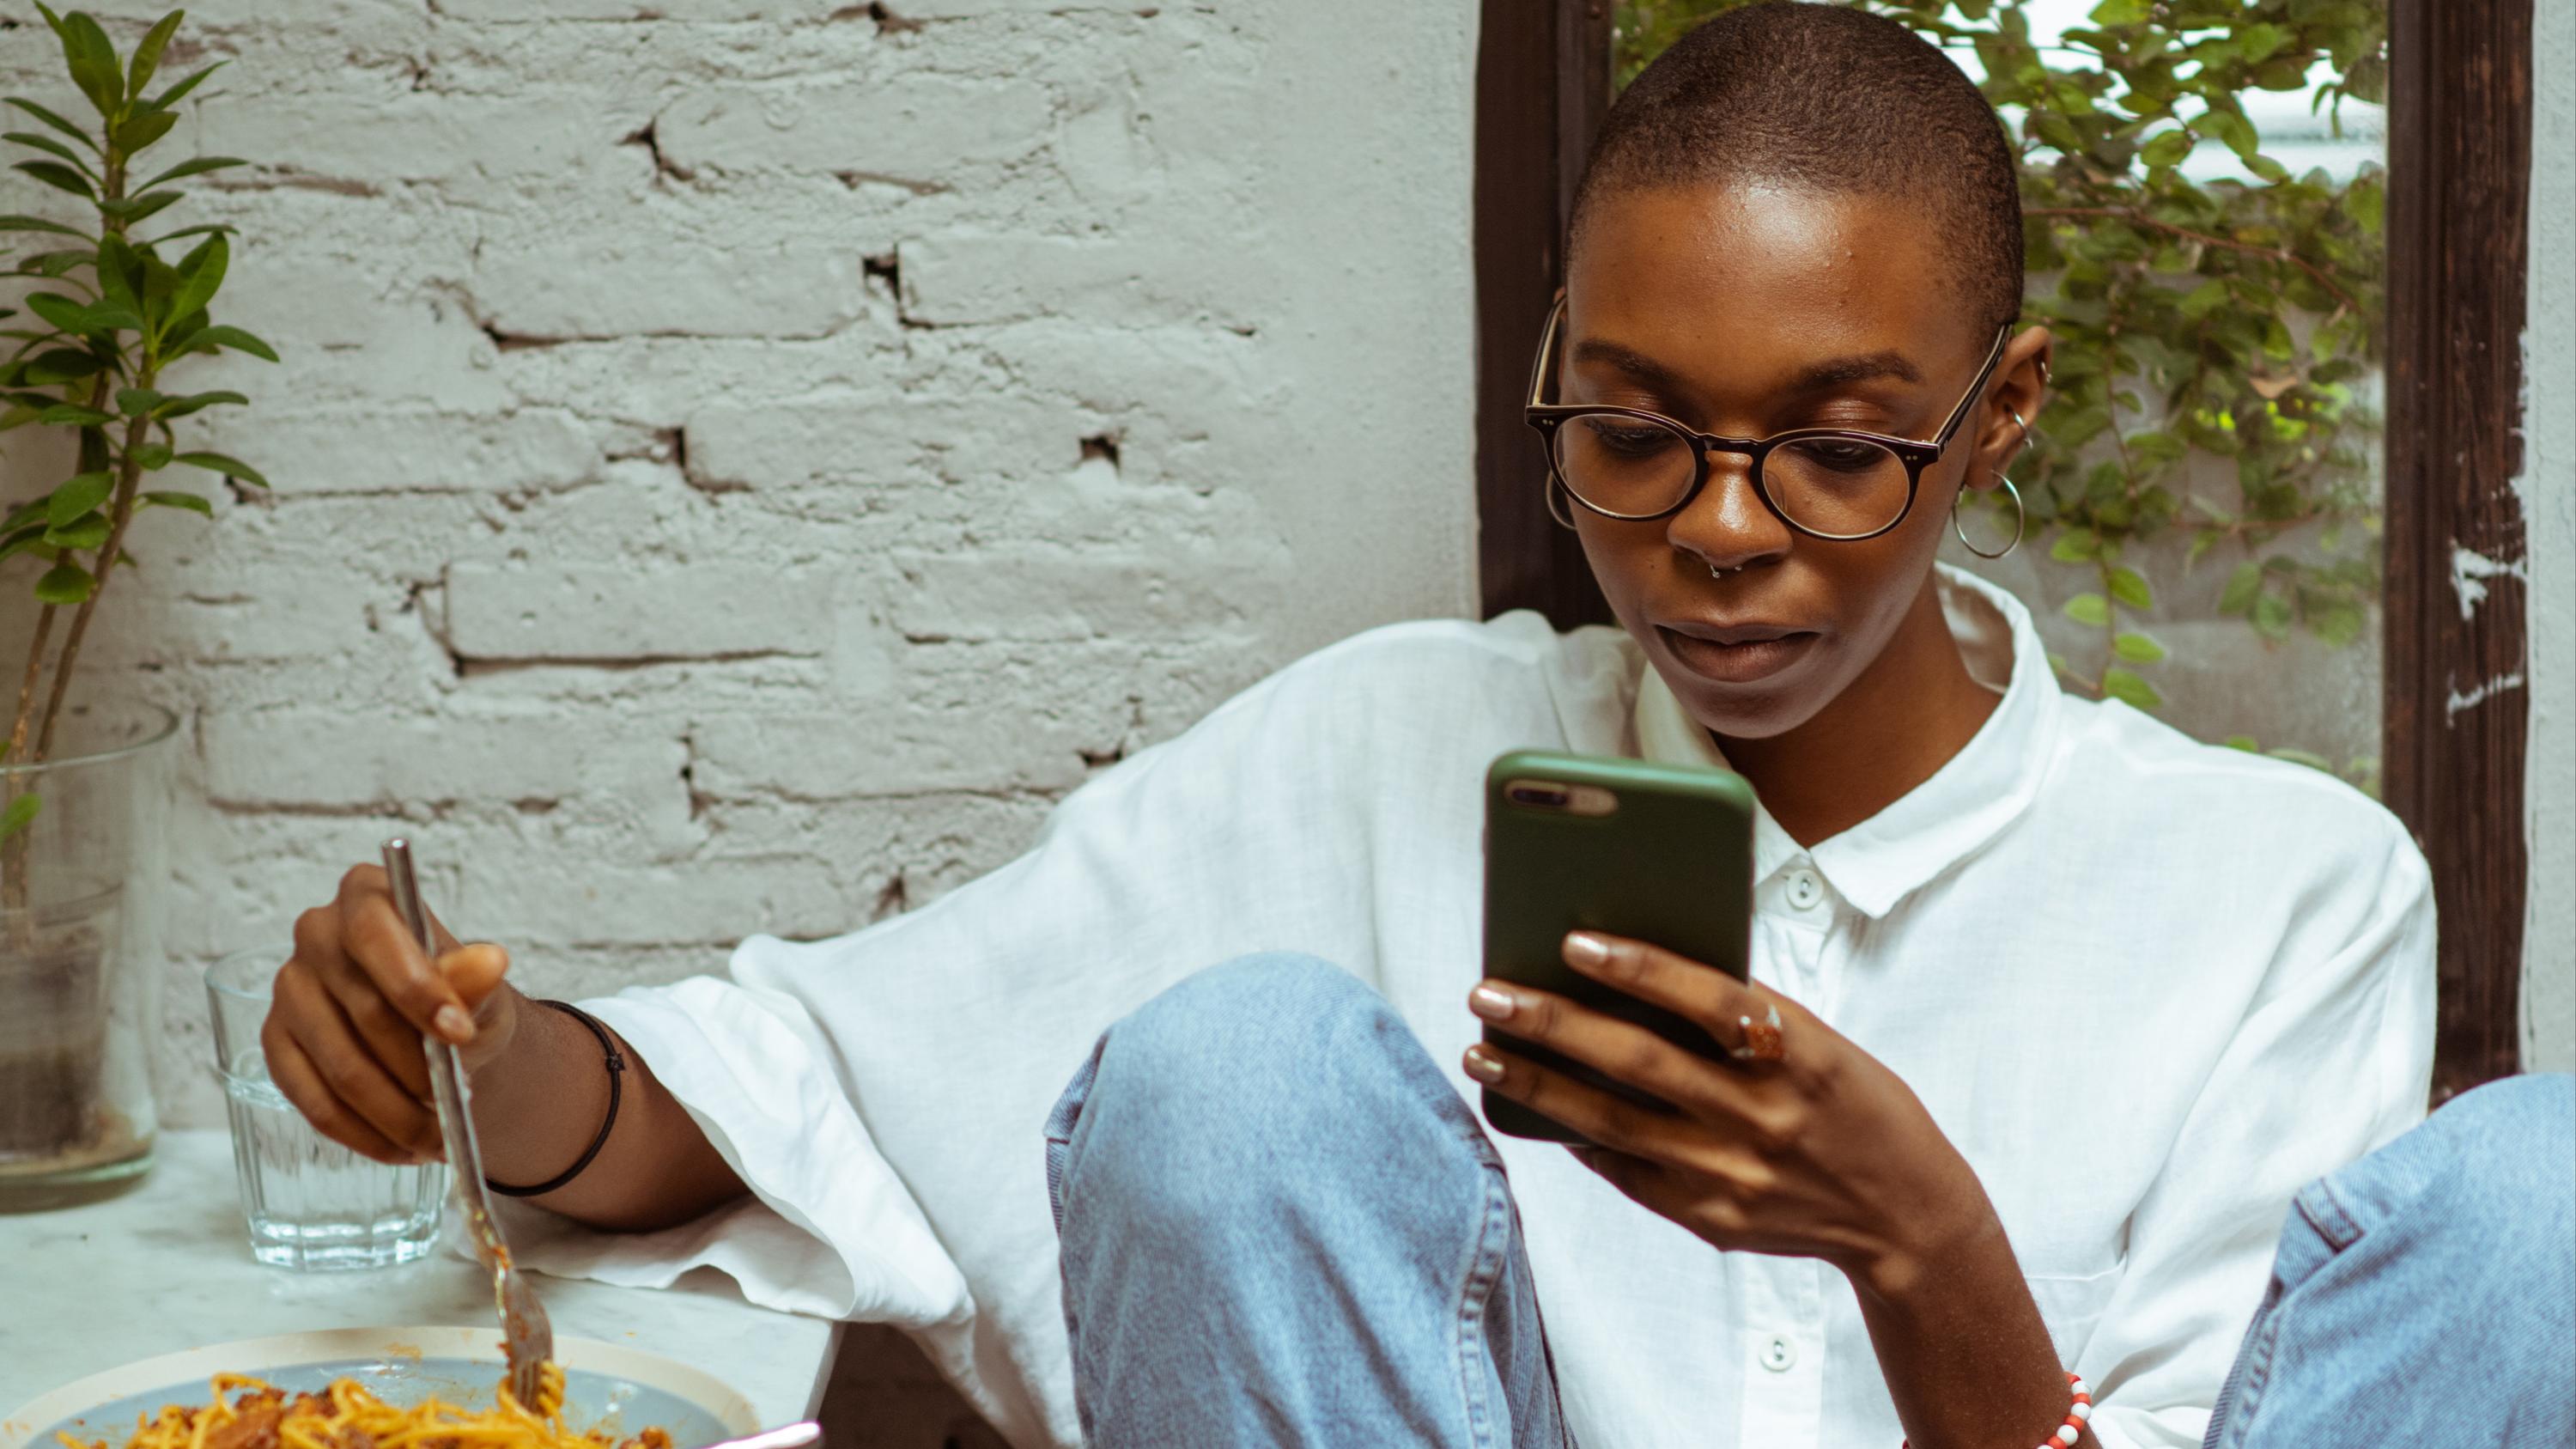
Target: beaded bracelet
x=2073 y=1429
x=616 y=1075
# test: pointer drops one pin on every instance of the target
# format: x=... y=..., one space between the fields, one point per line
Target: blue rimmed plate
x=616 y=1390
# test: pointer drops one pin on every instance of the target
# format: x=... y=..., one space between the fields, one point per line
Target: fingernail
x=1491 y=1004
x=454 y=1024
x=1582 y=948
x=1483 y=1065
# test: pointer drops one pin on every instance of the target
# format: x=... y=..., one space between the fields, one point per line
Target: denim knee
x=1246 y=1085
x=2488 y=1166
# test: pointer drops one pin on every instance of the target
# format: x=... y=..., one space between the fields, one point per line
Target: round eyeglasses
x=1831 y=483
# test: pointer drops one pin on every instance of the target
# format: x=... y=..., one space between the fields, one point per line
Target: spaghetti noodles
x=347 y=1416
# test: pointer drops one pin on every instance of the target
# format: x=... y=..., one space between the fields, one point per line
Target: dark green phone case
x=1672 y=864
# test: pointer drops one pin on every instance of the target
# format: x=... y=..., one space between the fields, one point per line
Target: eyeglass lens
x=1632 y=467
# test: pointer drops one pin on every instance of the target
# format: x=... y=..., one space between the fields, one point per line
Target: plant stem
x=27 y=688
x=2137 y=218
x=129 y=474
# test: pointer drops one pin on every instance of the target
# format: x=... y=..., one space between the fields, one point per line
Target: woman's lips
x=1738 y=655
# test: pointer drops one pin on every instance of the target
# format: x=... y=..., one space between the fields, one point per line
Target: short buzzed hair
x=1837 y=100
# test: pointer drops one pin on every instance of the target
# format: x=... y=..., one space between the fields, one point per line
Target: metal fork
x=526 y=1333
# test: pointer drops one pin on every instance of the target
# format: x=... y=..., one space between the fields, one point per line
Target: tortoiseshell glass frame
x=1916 y=455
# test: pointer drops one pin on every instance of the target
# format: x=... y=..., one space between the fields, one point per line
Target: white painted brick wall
x=684 y=521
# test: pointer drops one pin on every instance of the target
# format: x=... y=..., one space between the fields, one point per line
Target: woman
x=2068 y=1006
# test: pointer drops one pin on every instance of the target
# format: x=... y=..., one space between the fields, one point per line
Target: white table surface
x=166 y=1267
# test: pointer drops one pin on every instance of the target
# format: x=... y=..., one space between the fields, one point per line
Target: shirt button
x=1805 y=890
x=1779 y=1355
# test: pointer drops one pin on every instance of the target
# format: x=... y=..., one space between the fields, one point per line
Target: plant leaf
x=38 y=223
x=152 y=457
x=176 y=332
x=61 y=177
x=2137 y=648
x=147 y=52
x=144 y=128
x=92 y=60
x=2242 y=586
x=2089 y=609
x=180 y=407
x=2167 y=148
x=171 y=236
x=201 y=271
x=55 y=121
x=61 y=311
x=132 y=209
x=76 y=495
x=2128 y=687
x=2130 y=588
x=20 y=540
x=137 y=402
x=234 y=338
x=198 y=167
x=228 y=466
x=74 y=415
x=54 y=266
x=118 y=268
x=87 y=531
x=52 y=147
x=189 y=501
x=170 y=97
x=64 y=583
x=61 y=365
x=20 y=813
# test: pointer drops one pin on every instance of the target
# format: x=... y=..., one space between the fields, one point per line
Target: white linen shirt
x=2147 y=987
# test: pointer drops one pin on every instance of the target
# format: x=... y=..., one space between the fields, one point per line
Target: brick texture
x=738 y=462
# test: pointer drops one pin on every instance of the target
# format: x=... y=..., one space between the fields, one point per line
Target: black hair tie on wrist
x=616 y=1090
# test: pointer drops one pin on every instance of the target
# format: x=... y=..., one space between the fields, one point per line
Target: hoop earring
x=2021 y=515
x=2020 y=519
x=1555 y=509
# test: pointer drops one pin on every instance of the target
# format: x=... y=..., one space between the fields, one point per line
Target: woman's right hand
x=343 y=1037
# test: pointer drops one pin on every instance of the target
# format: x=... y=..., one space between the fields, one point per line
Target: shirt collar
x=1947 y=818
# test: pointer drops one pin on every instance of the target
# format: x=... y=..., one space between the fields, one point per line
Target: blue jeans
x=1280 y=1225
x=2425 y=1296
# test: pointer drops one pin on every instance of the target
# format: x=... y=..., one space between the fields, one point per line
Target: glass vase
x=81 y=874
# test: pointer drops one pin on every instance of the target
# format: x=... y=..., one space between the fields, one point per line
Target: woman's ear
x=2011 y=409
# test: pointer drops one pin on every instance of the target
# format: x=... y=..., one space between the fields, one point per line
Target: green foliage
x=106 y=313
x=2226 y=328
x=18 y=814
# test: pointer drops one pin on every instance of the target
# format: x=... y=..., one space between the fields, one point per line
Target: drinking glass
x=312 y=1204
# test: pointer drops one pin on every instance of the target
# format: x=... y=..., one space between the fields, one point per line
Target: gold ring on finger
x=1762 y=1039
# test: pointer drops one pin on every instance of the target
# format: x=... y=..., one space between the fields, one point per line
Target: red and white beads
x=2081 y=1410
x=2073 y=1429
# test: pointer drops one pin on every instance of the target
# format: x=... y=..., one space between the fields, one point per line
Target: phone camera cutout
x=1551 y=795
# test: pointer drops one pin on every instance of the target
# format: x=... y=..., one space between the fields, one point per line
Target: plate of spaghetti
x=383 y=1388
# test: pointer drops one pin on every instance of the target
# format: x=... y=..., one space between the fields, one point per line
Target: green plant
x=113 y=315
x=2202 y=326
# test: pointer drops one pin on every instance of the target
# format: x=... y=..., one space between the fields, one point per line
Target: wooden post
x=2455 y=700
x=1542 y=85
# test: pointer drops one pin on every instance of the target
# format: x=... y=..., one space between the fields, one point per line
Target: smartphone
x=1658 y=853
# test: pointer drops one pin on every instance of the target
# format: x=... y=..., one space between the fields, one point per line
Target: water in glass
x=311 y=1203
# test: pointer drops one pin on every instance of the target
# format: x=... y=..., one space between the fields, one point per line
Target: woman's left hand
x=1824 y=1153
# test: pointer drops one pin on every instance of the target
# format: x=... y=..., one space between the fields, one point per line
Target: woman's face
x=1746 y=310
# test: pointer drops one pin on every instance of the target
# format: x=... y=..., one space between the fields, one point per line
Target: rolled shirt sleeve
x=882 y=1093
x=2331 y=1059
